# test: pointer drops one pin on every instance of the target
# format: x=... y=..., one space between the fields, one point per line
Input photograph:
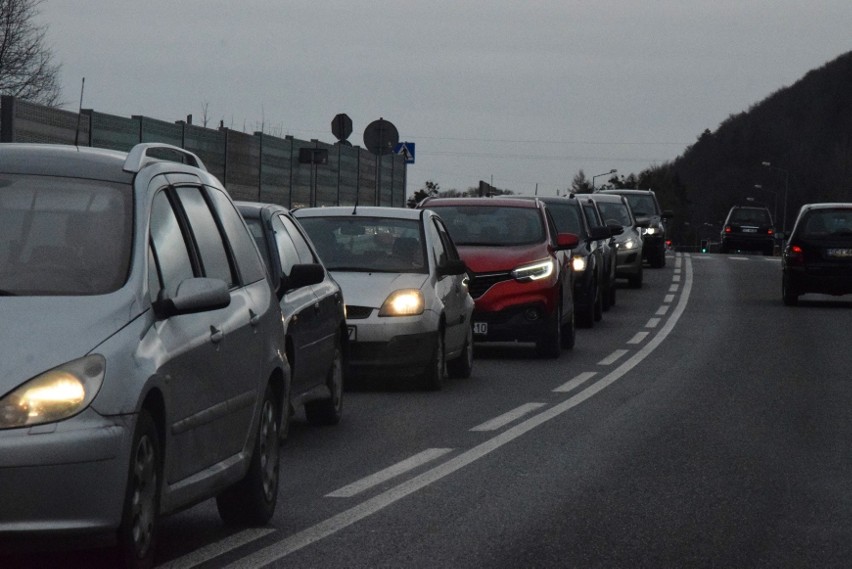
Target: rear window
x=750 y=216
x=63 y=236
x=493 y=225
x=830 y=223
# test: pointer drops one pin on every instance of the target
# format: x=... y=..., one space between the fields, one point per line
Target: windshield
x=642 y=204
x=370 y=244
x=492 y=225
x=63 y=236
x=614 y=213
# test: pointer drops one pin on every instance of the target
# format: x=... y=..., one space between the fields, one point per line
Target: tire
x=597 y=307
x=658 y=261
x=789 y=294
x=606 y=296
x=251 y=501
x=587 y=316
x=612 y=289
x=549 y=344
x=568 y=335
x=433 y=375
x=635 y=281
x=462 y=366
x=137 y=534
x=329 y=411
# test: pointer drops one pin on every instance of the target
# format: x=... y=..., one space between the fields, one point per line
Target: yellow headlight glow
x=578 y=263
x=405 y=302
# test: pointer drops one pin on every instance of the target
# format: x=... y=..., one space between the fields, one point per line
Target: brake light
x=795 y=255
x=769 y=232
x=727 y=229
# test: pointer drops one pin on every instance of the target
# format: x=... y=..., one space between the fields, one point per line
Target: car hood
x=481 y=259
x=371 y=289
x=40 y=333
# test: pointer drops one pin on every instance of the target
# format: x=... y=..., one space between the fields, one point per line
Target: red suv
x=519 y=268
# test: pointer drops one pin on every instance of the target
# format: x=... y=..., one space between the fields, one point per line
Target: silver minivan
x=142 y=364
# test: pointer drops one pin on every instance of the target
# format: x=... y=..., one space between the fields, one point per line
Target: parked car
x=142 y=365
x=748 y=228
x=408 y=310
x=593 y=287
x=652 y=219
x=519 y=267
x=312 y=307
x=818 y=255
x=628 y=243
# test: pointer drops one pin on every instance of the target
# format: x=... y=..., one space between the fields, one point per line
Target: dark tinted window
x=831 y=223
x=63 y=235
x=566 y=216
x=592 y=215
x=642 y=204
x=750 y=216
x=615 y=213
x=288 y=255
x=245 y=251
x=214 y=258
x=302 y=247
x=169 y=247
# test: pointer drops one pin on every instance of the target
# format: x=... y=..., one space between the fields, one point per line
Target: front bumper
x=64 y=478
x=400 y=343
x=628 y=262
x=522 y=323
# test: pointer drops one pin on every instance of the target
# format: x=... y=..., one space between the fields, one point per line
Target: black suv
x=651 y=218
x=748 y=228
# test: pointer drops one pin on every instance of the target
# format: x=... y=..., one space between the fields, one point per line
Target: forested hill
x=804 y=131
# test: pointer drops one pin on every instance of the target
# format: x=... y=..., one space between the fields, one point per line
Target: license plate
x=845 y=253
x=749 y=230
x=353 y=333
x=480 y=328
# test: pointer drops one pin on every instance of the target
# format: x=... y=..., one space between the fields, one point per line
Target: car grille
x=480 y=283
x=358 y=312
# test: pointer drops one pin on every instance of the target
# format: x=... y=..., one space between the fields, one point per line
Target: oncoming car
x=519 y=268
x=818 y=254
x=408 y=310
x=142 y=365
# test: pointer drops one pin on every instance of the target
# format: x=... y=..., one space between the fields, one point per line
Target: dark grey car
x=141 y=348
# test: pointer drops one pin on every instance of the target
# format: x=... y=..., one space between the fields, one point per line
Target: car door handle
x=216 y=335
x=254 y=319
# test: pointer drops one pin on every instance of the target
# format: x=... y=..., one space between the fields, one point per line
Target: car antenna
x=79 y=114
x=355 y=209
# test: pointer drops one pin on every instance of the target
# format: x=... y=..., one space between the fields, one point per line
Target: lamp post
x=613 y=171
x=775 y=200
x=786 y=185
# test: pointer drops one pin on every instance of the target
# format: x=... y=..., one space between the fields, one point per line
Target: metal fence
x=257 y=167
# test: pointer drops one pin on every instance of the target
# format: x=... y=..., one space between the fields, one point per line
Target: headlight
x=578 y=263
x=54 y=395
x=630 y=244
x=534 y=271
x=650 y=230
x=405 y=302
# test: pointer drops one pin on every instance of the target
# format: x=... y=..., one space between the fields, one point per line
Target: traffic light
x=703 y=245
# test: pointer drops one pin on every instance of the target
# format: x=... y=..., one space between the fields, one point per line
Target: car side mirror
x=566 y=241
x=615 y=229
x=303 y=274
x=193 y=295
x=600 y=232
x=452 y=267
x=643 y=220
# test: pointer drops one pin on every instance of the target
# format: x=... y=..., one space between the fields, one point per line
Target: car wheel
x=568 y=334
x=433 y=375
x=330 y=410
x=658 y=261
x=606 y=296
x=462 y=366
x=251 y=501
x=549 y=344
x=635 y=281
x=788 y=292
x=612 y=289
x=598 y=305
x=137 y=534
x=587 y=315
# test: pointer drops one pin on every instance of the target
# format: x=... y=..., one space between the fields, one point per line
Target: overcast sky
x=522 y=92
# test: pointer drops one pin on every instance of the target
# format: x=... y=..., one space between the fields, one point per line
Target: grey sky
x=521 y=92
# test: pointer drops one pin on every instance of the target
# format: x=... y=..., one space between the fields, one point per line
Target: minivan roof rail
x=137 y=158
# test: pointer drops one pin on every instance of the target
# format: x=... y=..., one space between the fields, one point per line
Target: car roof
x=64 y=160
x=614 y=198
x=254 y=209
x=530 y=202
x=362 y=211
x=625 y=192
x=828 y=205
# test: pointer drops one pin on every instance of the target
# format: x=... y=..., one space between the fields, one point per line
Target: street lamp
x=613 y=171
x=786 y=185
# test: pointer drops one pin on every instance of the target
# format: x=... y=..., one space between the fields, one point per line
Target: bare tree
x=27 y=68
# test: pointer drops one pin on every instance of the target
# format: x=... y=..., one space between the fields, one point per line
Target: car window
x=439 y=251
x=288 y=255
x=245 y=254
x=592 y=215
x=369 y=244
x=827 y=223
x=446 y=240
x=63 y=236
x=205 y=231
x=492 y=225
x=615 y=213
x=169 y=249
x=299 y=241
x=752 y=216
x=567 y=218
x=642 y=204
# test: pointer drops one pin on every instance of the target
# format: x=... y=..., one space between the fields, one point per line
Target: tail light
x=727 y=229
x=795 y=255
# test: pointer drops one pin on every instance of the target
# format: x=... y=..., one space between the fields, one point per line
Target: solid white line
x=214 y=550
x=652 y=323
x=389 y=472
x=613 y=357
x=638 y=338
x=579 y=380
x=509 y=417
x=674 y=288
x=668 y=298
x=661 y=311
x=344 y=519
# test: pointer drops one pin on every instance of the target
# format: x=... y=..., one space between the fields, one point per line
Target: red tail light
x=769 y=232
x=795 y=255
x=727 y=229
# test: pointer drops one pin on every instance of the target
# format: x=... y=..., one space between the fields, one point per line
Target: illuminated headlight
x=405 y=302
x=534 y=272
x=578 y=263
x=651 y=230
x=55 y=395
x=629 y=244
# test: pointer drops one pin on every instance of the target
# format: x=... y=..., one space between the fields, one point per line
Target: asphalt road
x=700 y=424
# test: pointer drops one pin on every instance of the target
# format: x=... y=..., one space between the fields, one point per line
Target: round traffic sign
x=380 y=137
